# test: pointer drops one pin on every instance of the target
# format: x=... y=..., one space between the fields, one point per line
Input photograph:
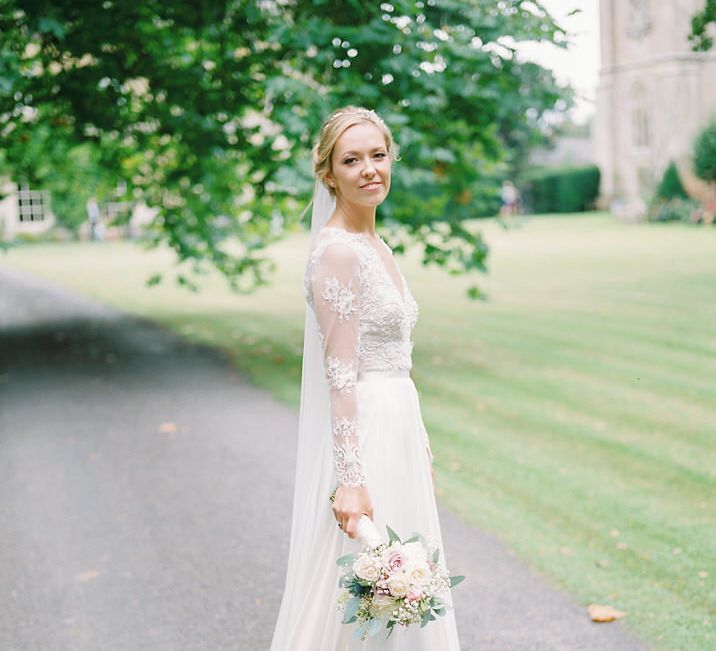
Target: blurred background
x=553 y=213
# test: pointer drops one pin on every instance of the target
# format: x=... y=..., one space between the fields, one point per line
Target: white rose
x=418 y=573
x=415 y=552
x=398 y=585
x=382 y=606
x=365 y=568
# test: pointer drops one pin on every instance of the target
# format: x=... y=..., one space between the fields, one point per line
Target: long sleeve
x=336 y=298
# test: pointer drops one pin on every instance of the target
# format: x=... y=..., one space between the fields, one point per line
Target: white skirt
x=397 y=469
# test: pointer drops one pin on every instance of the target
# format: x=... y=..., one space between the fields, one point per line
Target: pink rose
x=396 y=560
x=414 y=594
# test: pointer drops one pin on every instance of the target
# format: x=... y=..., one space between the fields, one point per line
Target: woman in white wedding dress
x=360 y=426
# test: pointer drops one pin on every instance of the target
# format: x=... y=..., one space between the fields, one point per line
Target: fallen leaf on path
x=602 y=613
x=86 y=576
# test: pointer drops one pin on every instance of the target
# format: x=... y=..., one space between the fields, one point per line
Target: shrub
x=674 y=210
x=705 y=153
x=670 y=186
x=573 y=189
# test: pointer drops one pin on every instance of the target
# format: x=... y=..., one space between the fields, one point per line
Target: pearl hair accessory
x=361 y=111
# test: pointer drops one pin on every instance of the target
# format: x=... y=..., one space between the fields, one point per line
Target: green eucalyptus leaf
x=352 y=607
x=348 y=559
x=455 y=580
x=392 y=536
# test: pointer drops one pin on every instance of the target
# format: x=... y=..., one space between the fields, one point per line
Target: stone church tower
x=654 y=95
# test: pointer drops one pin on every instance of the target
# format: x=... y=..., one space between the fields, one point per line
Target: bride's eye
x=382 y=154
x=348 y=160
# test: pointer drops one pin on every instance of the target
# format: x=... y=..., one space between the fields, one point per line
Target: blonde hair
x=332 y=129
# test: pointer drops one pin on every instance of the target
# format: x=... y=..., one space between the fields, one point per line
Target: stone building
x=27 y=213
x=654 y=95
x=23 y=211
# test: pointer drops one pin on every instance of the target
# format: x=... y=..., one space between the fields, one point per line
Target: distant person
x=510 y=199
x=93 y=219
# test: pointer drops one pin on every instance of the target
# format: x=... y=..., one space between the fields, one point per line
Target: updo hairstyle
x=332 y=129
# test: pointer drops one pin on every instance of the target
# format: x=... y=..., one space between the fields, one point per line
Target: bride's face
x=361 y=165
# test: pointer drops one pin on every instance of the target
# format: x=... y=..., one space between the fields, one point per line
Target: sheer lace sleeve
x=336 y=295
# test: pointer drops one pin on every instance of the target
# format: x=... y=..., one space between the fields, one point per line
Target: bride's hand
x=349 y=506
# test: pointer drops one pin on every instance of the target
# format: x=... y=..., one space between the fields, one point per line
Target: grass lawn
x=573 y=414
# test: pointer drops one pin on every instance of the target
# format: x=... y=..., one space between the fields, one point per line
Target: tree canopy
x=701 y=21
x=208 y=110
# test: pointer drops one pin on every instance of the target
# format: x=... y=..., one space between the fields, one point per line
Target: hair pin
x=362 y=111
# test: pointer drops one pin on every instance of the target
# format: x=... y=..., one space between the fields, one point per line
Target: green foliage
x=208 y=113
x=700 y=22
x=561 y=190
x=705 y=153
x=392 y=536
x=670 y=186
x=346 y=560
x=455 y=580
x=352 y=608
x=674 y=210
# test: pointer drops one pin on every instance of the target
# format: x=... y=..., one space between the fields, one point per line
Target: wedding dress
x=370 y=432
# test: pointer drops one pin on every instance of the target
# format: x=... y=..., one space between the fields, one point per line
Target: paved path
x=145 y=495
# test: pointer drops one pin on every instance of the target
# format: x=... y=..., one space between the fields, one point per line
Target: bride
x=360 y=426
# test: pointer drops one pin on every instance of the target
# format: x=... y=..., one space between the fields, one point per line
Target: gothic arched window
x=639 y=112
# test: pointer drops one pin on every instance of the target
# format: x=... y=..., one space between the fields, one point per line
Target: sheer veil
x=314 y=414
x=312 y=518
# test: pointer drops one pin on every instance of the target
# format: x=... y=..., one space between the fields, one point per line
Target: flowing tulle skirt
x=399 y=481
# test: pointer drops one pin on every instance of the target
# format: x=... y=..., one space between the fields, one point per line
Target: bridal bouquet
x=392 y=583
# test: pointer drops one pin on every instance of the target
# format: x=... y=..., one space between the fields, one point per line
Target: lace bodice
x=365 y=324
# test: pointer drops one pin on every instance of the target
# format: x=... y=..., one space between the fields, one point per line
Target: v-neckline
x=402 y=295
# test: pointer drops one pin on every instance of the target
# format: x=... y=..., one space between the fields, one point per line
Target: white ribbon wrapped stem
x=368 y=532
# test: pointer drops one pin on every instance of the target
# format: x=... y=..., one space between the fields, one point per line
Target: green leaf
x=352 y=607
x=348 y=559
x=455 y=580
x=392 y=536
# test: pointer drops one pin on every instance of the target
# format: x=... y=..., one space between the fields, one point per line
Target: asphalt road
x=145 y=497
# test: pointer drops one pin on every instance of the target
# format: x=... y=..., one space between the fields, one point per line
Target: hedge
x=572 y=189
